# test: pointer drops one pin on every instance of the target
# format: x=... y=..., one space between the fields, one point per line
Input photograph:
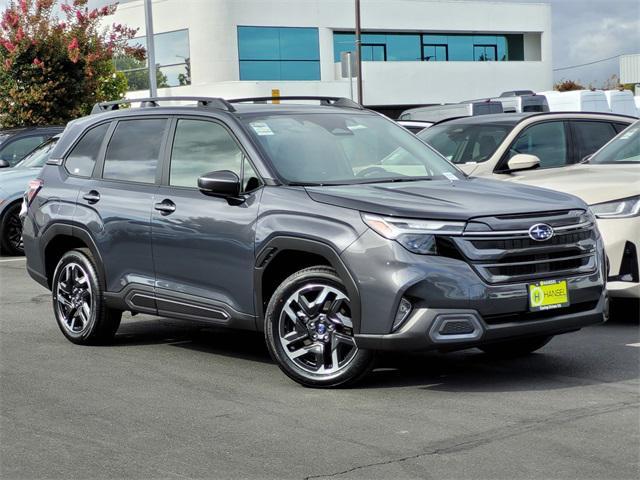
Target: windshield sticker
x=450 y=176
x=261 y=128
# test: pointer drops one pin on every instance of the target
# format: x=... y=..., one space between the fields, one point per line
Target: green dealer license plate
x=548 y=295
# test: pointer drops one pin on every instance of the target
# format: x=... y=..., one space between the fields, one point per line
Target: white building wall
x=212 y=26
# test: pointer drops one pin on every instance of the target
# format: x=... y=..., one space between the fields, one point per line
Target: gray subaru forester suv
x=327 y=226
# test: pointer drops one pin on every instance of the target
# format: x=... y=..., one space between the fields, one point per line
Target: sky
x=583 y=31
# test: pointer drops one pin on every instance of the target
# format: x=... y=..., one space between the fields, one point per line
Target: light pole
x=151 y=51
x=359 y=53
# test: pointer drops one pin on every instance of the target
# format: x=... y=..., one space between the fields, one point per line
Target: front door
x=203 y=246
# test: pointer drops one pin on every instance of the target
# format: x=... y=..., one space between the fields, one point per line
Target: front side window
x=624 y=149
x=278 y=53
x=134 y=150
x=83 y=157
x=341 y=148
x=547 y=141
x=201 y=147
x=14 y=151
x=465 y=143
x=590 y=136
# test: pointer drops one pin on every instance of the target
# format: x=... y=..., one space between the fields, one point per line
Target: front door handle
x=166 y=206
x=91 y=196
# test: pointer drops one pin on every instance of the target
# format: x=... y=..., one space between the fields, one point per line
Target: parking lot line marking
x=11 y=260
x=637 y=345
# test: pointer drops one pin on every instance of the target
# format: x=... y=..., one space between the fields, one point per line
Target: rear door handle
x=91 y=196
x=166 y=206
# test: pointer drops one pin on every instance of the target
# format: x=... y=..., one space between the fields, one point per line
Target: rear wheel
x=11 y=232
x=78 y=301
x=309 y=330
x=516 y=348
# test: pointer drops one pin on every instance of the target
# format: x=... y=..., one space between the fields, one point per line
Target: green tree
x=54 y=68
x=137 y=73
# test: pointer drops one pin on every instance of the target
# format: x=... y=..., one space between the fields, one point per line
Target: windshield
x=465 y=143
x=38 y=157
x=4 y=137
x=341 y=148
x=625 y=148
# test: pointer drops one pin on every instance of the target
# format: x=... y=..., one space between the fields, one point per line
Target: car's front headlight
x=624 y=208
x=417 y=236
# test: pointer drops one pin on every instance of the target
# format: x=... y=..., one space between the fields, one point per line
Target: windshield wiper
x=394 y=180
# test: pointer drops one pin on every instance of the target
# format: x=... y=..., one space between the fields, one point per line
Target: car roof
x=512 y=119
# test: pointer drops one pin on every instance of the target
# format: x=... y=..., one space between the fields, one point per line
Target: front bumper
x=422 y=331
x=618 y=235
x=439 y=286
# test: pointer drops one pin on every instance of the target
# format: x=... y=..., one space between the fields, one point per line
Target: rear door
x=116 y=203
x=203 y=246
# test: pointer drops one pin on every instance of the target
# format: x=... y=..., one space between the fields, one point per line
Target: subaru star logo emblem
x=540 y=232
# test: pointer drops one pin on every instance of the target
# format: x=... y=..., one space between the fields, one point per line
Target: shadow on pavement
x=567 y=361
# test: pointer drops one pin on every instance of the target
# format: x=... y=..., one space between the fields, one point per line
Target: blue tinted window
x=403 y=47
x=278 y=53
x=431 y=47
x=259 y=70
x=258 y=43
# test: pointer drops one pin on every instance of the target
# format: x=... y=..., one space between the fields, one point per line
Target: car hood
x=442 y=199
x=592 y=183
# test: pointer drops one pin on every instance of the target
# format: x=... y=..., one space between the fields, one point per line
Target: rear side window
x=134 y=149
x=590 y=136
x=16 y=150
x=547 y=141
x=83 y=157
x=201 y=147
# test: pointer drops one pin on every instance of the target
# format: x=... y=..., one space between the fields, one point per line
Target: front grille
x=509 y=255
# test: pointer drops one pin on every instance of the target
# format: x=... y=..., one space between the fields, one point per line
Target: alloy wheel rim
x=316 y=330
x=74 y=298
x=14 y=232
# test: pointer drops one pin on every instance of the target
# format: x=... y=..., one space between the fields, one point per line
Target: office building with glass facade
x=413 y=51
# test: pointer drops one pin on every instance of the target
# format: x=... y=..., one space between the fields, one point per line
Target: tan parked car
x=530 y=149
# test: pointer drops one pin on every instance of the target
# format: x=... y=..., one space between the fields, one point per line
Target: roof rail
x=207 y=102
x=333 y=101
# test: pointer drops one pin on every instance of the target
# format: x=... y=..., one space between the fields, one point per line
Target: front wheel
x=78 y=301
x=516 y=348
x=309 y=330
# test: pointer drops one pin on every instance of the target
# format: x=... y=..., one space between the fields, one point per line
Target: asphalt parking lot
x=176 y=400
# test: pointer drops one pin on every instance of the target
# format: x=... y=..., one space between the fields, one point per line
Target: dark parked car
x=329 y=227
x=16 y=143
x=13 y=182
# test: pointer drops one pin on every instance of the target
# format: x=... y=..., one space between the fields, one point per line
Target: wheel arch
x=282 y=256
x=61 y=238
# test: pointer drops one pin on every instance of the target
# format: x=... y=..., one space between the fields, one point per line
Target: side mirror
x=223 y=183
x=4 y=163
x=522 y=161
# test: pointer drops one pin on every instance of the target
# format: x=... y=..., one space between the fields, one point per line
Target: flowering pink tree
x=55 y=64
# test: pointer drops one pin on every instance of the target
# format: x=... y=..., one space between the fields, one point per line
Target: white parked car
x=553 y=151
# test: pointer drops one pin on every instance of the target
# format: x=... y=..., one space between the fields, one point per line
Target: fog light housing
x=404 y=309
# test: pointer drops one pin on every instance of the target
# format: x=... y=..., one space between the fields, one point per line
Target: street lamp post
x=151 y=51
x=359 y=53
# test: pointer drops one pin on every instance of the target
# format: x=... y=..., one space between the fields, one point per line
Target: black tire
x=101 y=322
x=11 y=231
x=358 y=362
x=515 y=348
